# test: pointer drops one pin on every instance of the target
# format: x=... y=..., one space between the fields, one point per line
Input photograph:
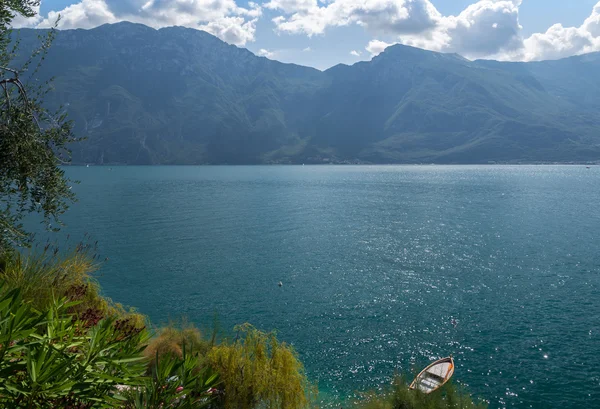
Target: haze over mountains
x=182 y=96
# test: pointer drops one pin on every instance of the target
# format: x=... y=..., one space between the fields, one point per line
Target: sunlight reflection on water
x=376 y=261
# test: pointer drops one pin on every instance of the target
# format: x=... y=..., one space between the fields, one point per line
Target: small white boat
x=434 y=376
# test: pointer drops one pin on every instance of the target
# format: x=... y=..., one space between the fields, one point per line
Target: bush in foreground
x=175 y=382
x=174 y=339
x=450 y=396
x=255 y=370
x=49 y=358
x=258 y=371
x=62 y=344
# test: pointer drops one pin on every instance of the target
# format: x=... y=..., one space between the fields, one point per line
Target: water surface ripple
x=376 y=262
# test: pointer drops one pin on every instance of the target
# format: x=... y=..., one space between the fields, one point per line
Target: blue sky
x=323 y=33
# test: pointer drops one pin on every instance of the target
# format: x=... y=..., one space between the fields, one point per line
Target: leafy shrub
x=175 y=382
x=173 y=339
x=450 y=396
x=49 y=359
x=257 y=371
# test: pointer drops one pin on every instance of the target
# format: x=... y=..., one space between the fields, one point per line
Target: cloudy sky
x=322 y=33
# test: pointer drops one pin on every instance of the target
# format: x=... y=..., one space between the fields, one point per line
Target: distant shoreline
x=343 y=164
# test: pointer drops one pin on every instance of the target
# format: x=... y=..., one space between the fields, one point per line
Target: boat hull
x=434 y=376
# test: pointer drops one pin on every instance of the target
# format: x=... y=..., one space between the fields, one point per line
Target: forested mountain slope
x=182 y=96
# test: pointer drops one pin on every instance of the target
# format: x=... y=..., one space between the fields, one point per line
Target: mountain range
x=182 y=96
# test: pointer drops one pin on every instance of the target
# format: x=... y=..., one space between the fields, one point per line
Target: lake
x=384 y=268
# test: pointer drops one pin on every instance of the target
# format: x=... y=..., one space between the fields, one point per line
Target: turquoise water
x=376 y=262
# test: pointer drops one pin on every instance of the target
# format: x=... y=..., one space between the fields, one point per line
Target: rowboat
x=434 y=376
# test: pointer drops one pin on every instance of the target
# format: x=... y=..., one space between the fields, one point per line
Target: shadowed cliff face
x=182 y=96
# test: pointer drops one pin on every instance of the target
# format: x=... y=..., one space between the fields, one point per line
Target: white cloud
x=559 y=42
x=592 y=23
x=355 y=53
x=265 y=53
x=376 y=47
x=485 y=29
x=307 y=50
x=223 y=18
x=399 y=16
x=234 y=30
x=86 y=14
x=291 y=6
x=20 y=21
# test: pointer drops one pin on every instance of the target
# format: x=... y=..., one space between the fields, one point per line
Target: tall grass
x=43 y=276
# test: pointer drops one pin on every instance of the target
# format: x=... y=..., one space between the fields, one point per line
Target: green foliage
x=43 y=276
x=50 y=359
x=64 y=345
x=258 y=371
x=178 y=366
x=450 y=396
x=33 y=141
x=255 y=370
x=10 y=8
x=176 y=381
